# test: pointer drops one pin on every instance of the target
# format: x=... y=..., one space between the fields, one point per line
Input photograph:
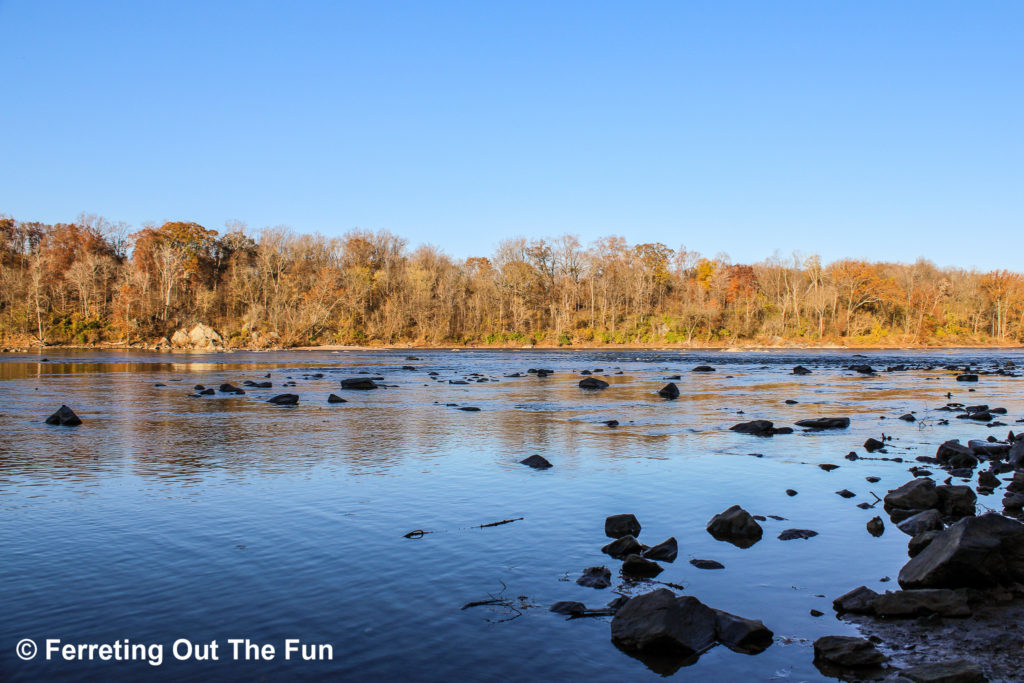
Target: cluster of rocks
x=201 y=338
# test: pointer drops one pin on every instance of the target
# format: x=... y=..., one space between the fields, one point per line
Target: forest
x=94 y=281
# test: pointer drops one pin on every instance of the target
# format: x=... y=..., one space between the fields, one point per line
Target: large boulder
x=929 y=520
x=200 y=337
x=748 y=636
x=954 y=454
x=736 y=526
x=667 y=551
x=660 y=622
x=916 y=603
x=975 y=552
x=623 y=547
x=858 y=601
x=956 y=501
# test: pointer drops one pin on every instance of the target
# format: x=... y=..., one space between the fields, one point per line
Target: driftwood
x=420 y=533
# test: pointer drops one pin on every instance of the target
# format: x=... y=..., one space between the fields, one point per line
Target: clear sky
x=880 y=130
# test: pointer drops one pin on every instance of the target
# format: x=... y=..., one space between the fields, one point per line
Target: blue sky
x=879 y=130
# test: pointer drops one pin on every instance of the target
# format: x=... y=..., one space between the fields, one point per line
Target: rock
x=825 y=423
x=929 y=520
x=915 y=603
x=1013 y=501
x=858 y=601
x=828 y=467
x=593 y=383
x=957 y=671
x=665 y=551
x=707 y=564
x=736 y=526
x=199 y=337
x=801 y=370
x=469 y=409
x=229 y=388
x=876 y=527
x=863 y=369
x=791 y=492
x=334 y=398
x=537 y=462
x=284 y=400
x=917 y=494
x=817 y=613
x=64 y=417
x=873 y=479
x=954 y=454
x=658 y=621
x=207 y=392
x=908 y=418
x=570 y=607
x=180 y=338
x=703 y=368
x=669 y=391
x=989 y=480
x=847 y=652
x=595 y=577
x=976 y=552
x=956 y=501
x=794 y=534
x=623 y=547
x=358 y=383
x=611 y=423
x=872 y=445
x=747 y=636
x=635 y=565
x=617 y=526
x=966 y=378
x=845 y=493
x=921 y=541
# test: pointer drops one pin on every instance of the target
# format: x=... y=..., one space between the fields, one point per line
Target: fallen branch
x=504 y=521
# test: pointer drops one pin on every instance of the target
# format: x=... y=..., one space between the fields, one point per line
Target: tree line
x=97 y=281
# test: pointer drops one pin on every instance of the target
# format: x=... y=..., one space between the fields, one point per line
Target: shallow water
x=165 y=516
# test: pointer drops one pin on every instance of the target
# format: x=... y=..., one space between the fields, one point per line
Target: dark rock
x=593 y=383
x=915 y=603
x=989 y=480
x=595 y=577
x=612 y=423
x=707 y=564
x=735 y=526
x=669 y=391
x=760 y=428
x=635 y=565
x=334 y=398
x=847 y=652
x=623 y=547
x=801 y=370
x=617 y=526
x=469 y=409
x=966 y=378
x=876 y=527
x=908 y=418
x=917 y=494
x=957 y=671
x=825 y=423
x=284 y=400
x=872 y=445
x=665 y=551
x=747 y=636
x=228 y=388
x=845 y=493
x=858 y=601
x=64 y=417
x=703 y=368
x=929 y=520
x=660 y=622
x=828 y=467
x=921 y=541
x=358 y=383
x=863 y=369
x=791 y=492
x=199 y=387
x=956 y=501
x=537 y=462
x=793 y=534
x=873 y=479
x=207 y=392
x=976 y=552
x=570 y=607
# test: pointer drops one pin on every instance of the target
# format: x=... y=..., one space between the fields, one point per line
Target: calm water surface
x=165 y=516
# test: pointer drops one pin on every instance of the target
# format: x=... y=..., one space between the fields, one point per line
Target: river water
x=167 y=516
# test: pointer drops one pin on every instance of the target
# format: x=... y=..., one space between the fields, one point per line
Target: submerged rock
x=284 y=400
x=666 y=551
x=334 y=398
x=957 y=671
x=735 y=525
x=915 y=603
x=64 y=417
x=703 y=368
x=760 y=428
x=669 y=391
x=570 y=607
x=537 y=462
x=801 y=370
x=825 y=423
x=794 y=534
x=593 y=383
x=707 y=564
x=595 y=577
x=617 y=526
x=359 y=383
